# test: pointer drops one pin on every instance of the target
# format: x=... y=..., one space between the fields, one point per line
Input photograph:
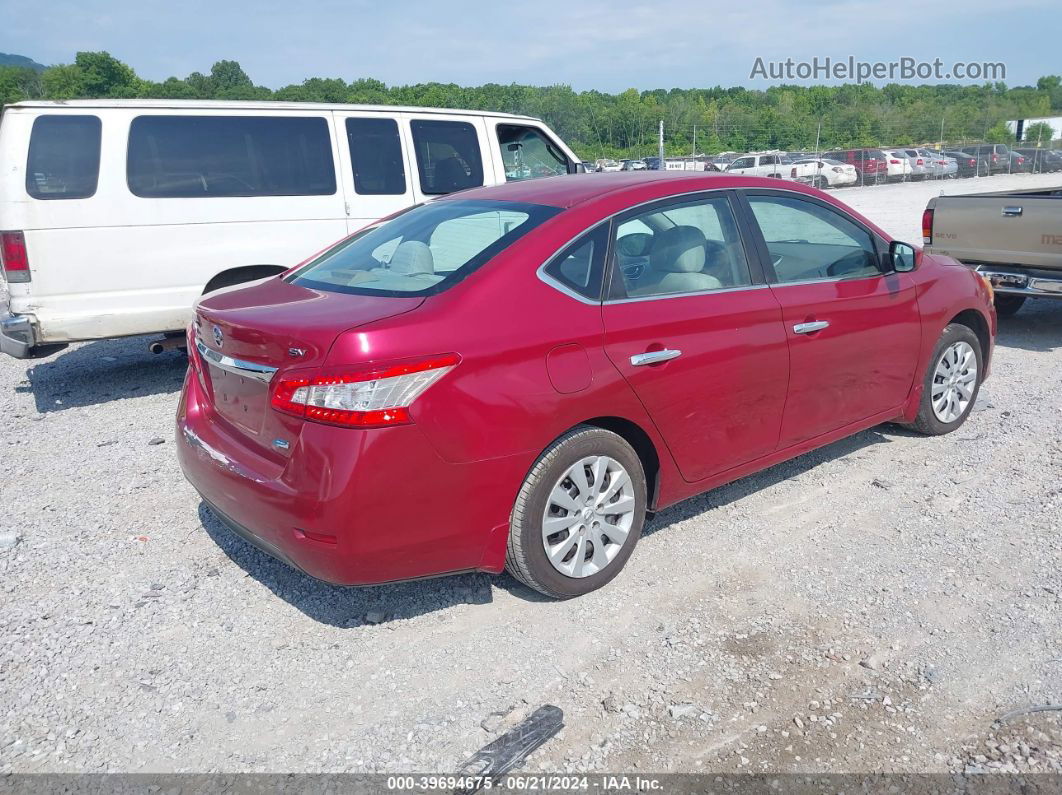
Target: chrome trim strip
x=259 y=372
x=687 y=295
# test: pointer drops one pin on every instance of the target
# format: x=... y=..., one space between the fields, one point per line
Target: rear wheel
x=821 y=183
x=951 y=382
x=578 y=515
x=1007 y=305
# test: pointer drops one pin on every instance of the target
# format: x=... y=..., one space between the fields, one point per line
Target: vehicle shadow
x=101 y=371
x=750 y=484
x=340 y=606
x=347 y=607
x=1036 y=327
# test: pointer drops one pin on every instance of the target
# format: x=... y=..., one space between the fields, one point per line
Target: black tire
x=526 y=558
x=927 y=421
x=821 y=183
x=1007 y=305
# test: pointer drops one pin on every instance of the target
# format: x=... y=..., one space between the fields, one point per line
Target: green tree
x=63 y=82
x=105 y=76
x=999 y=133
x=1039 y=134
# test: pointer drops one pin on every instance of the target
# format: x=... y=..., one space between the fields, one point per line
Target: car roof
x=571 y=190
x=217 y=104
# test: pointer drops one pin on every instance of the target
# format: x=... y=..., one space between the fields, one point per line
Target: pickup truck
x=1014 y=238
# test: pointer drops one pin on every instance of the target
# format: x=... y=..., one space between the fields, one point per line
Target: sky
x=608 y=45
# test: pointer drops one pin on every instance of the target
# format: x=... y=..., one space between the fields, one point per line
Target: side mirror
x=580 y=168
x=901 y=256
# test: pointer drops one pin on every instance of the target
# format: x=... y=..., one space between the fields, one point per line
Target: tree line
x=598 y=124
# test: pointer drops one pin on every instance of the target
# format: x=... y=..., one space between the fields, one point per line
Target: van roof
x=218 y=104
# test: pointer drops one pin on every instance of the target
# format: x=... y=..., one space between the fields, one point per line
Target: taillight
x=366 y=398
x=927 y=227
x=13 y=257
x=971 y=162
x=895 y=162
x=920 y=162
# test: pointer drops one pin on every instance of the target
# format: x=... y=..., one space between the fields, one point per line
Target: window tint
x=579 y=266
x=448 y=156
x=209 y=156
x=424 y=250
x=689 y=247
x=808 y=241
x=376 y=156
x=527 y=153
x=64 y=157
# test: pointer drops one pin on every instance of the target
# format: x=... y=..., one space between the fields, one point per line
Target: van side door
x=375 y=166
x=449 y=153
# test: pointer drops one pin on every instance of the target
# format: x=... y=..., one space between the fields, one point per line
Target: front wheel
x=578 y=515
x=951 y=382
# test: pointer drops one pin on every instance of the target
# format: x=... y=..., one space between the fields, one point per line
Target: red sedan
x=513 y=377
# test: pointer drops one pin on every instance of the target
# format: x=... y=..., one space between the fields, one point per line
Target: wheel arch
x=636 y=436
x=241 y=274
x=978 y=324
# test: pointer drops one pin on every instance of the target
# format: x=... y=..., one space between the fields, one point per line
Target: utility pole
x=695 y=141
x=818 y=135
x=660 y=145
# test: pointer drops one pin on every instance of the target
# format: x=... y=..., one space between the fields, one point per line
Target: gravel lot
x=872 y=606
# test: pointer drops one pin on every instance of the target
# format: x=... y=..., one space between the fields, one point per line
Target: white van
x=116 y=215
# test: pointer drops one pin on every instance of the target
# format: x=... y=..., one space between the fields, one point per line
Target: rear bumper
x=351 y=506
x=17 y=337
x=1032 y=284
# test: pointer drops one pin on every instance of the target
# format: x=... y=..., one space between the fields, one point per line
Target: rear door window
x=448 y=155
x=64 y=157
x=213 y=156
x=376 y=156
x=527 y=153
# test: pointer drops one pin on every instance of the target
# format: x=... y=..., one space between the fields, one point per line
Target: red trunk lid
x=247 y=332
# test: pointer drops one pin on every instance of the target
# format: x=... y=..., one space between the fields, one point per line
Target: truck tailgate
x=1003 y=230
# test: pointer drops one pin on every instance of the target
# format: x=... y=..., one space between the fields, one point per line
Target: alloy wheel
x=588 y=516
x=954 y=380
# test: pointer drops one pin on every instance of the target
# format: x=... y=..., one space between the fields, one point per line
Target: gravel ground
x=871 y=606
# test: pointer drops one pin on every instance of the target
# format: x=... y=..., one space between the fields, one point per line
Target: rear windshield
x=423 y=251
x=64 y=157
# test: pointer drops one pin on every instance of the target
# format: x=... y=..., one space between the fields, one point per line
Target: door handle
x=811 y=328
x=1012 y=211
x=652 y=357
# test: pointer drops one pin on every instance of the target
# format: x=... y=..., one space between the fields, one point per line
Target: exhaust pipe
x=167 y=344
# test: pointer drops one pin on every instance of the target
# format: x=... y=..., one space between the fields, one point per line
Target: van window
x=448 y=156
x=376 y=155
x=64 y=157
x=210 y=156
x=527 y=153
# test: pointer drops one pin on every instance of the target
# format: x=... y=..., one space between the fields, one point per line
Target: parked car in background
x=1041 y=161
x=1018 y=164
x=609 y=165
x=823 y=173
x=869 y=163
x=768 y=164
x=938 y=165
x=721 y=161
x=966 y=164
x=633 y=165
x=697 y=352
x=997 y=155
x=898 y=165
x=654 y=164
x=116 y=215
x=589 y=167
x=1010 y=237
x=919 y=169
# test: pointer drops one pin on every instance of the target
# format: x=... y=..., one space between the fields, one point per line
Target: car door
x=373 y=157
x=694 y=330
x=854 y=331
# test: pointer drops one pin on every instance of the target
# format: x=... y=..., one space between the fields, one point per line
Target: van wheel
x=952 y=382
x=578 y=514
x=1007 y=305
